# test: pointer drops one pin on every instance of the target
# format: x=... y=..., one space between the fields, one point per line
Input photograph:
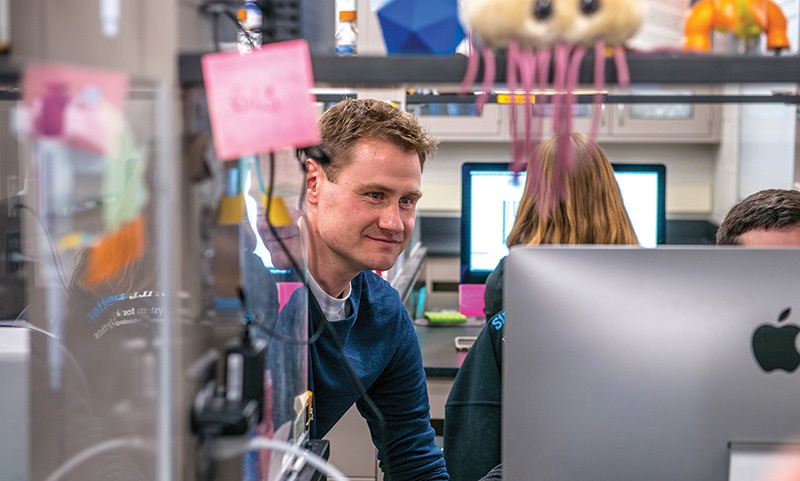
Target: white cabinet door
x=460 y=121
x=664 y=122
x=640 y=121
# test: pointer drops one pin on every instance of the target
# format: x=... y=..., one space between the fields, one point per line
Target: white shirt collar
x=333 y=308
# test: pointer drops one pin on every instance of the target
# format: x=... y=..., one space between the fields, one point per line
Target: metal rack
x=656 y=68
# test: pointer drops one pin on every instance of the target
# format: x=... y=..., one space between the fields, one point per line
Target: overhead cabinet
x=451 y=119
x=664 y=121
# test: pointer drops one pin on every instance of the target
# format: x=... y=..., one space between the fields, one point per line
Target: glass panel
x=273 y=291
x=252 y=265
x=94 y=298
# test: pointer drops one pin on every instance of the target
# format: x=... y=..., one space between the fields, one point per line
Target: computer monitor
x=625 y=363
x=490 y=195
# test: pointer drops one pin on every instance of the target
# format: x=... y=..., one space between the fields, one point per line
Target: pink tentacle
x=573 y=77
x=561 y=125
x=537 y=183
x=599 y=85
x=560 y=55
x=528 y=73
x=623 y=73
x=512 y=70
x=471 y=74
x=489 y=72
x=541 y=81
x=543 y=78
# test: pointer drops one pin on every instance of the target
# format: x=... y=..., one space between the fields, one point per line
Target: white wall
x=767 y=141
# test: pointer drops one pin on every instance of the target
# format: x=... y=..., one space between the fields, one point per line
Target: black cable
x=215 y=32
x=318 y=154
x=314 y=152
x=21 y=323
x=241 y=27
x=218 y=7
x=295 y=265
x=205 y=464
x=62 y=277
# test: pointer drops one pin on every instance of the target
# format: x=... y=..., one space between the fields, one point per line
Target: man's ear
x=313 y=180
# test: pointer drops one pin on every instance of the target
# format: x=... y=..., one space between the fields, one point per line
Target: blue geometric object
x=421 y=26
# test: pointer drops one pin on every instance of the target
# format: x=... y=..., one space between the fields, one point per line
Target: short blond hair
x=352 y=120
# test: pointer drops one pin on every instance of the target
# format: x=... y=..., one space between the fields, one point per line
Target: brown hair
x=592 y=211
x=766 y=209
x=352 y=120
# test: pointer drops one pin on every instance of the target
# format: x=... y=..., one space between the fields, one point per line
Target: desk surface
x=439 y=355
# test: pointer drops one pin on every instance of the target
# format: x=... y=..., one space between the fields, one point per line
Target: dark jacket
x=493 y=296
x=473 y=427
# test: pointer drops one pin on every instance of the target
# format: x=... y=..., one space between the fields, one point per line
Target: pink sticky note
x=285 y=291
x=77 y=106
x=262 y=101
x=470 y=299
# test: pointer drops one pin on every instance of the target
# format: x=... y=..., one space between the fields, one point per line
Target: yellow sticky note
x=73 y=240
x=231 y=210
x=279 y=214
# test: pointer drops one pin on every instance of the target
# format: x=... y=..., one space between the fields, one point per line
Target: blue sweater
x=382 y=348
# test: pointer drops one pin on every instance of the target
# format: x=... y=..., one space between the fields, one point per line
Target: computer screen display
x=626 y=363
x=491 y=194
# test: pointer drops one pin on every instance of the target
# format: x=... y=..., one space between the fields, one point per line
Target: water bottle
x=5 y=26
x=346 y=33
x=249 y=35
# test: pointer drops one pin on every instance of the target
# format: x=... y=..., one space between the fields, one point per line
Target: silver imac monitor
x=624 y=363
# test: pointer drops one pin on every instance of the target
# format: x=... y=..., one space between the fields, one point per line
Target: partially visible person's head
x=592 y=211
x=770 y=217
x=284 y=242
x=352 y=120
x=362 y=205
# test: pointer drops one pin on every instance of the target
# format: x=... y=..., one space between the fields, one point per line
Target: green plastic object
x=445 y=316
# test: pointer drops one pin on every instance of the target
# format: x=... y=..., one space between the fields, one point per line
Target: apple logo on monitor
x=774 y=347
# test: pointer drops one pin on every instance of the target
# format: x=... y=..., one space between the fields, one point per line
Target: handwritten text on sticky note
x=262 y=101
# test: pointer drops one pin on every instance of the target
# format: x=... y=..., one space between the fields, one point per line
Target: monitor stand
x=764 y=461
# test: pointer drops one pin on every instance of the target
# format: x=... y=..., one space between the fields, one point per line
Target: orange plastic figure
x=746 y=19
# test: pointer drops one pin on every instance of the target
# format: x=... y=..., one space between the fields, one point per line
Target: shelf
x=777 y=97
x=656 y=68
x=9 y=71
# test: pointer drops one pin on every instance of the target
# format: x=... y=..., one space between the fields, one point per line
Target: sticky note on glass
x=80 y=107
x=470 y=299
x=262 y=101
x=231 y=210
x=285 y=291
x=279 y=215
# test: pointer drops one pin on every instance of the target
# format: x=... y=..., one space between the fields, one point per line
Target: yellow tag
x=279 y=215
x=231 y=210
x=518 y=99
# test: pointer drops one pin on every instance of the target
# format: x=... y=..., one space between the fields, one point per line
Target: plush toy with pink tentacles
x=545 y=39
